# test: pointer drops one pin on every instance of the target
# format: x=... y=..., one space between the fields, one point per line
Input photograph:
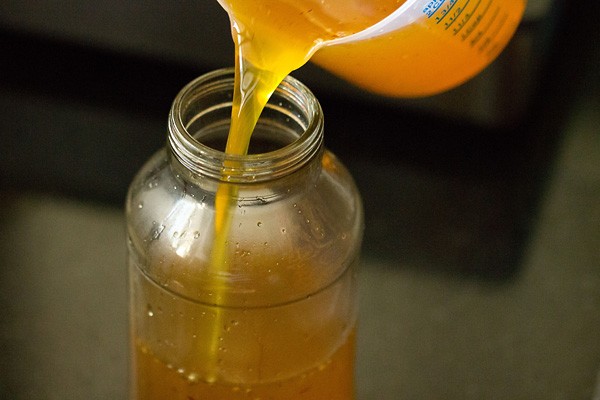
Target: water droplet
x=193 y=378
x=259 y=224
x=307 y=221
x=141 y=205
x=196 y=235
x=180 y=371
x=149 y=310
x=157 y=232
x=283 y=230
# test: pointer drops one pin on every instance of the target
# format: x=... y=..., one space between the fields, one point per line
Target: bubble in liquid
x=196 y=235
x=141 y=205
x=283 y=230
x=149 y=310
x=193 y=377
x=259 y=224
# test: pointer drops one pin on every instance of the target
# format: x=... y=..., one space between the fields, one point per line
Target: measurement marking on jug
x=483 y=32
x=432 y=7
x=496 y=47
x=494 y=33
x=445 y=11
x=475 y=24
x=467 y=17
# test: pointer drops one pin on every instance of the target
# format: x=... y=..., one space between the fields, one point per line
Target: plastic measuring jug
x=402 y=48
x=425 y=46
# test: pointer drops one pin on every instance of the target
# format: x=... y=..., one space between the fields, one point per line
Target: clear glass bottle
x=253 y=296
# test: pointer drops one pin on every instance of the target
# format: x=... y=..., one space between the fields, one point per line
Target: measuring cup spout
x=409 y=12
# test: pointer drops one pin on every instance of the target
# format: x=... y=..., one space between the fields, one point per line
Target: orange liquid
x=297 y=346
x=330 y=380
x=433 y=54
x=274 y=37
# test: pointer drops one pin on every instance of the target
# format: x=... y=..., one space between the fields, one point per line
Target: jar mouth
x=292 y=123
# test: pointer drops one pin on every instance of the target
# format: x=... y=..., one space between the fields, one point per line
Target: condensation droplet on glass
x=259 y=224
x=193 y=378
x=157 y=232
x=149 y=310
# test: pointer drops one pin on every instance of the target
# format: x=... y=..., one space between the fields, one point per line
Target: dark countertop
x=423 y=333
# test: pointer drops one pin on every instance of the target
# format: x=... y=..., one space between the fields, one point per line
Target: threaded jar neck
x=291 y=124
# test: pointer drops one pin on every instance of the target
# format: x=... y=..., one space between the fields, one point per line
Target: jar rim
x=256 y=167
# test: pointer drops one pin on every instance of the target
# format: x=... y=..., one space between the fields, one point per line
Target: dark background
x=85 y=90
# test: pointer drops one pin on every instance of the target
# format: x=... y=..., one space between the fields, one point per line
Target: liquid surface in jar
x=331 y=380
x=302 y=349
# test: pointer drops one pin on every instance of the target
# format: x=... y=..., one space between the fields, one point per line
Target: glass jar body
x=273 y=314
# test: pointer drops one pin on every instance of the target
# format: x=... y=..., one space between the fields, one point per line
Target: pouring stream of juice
x=274 y=37
x=267 y=50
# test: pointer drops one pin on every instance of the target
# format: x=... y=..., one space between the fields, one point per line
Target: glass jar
x=242 y=268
